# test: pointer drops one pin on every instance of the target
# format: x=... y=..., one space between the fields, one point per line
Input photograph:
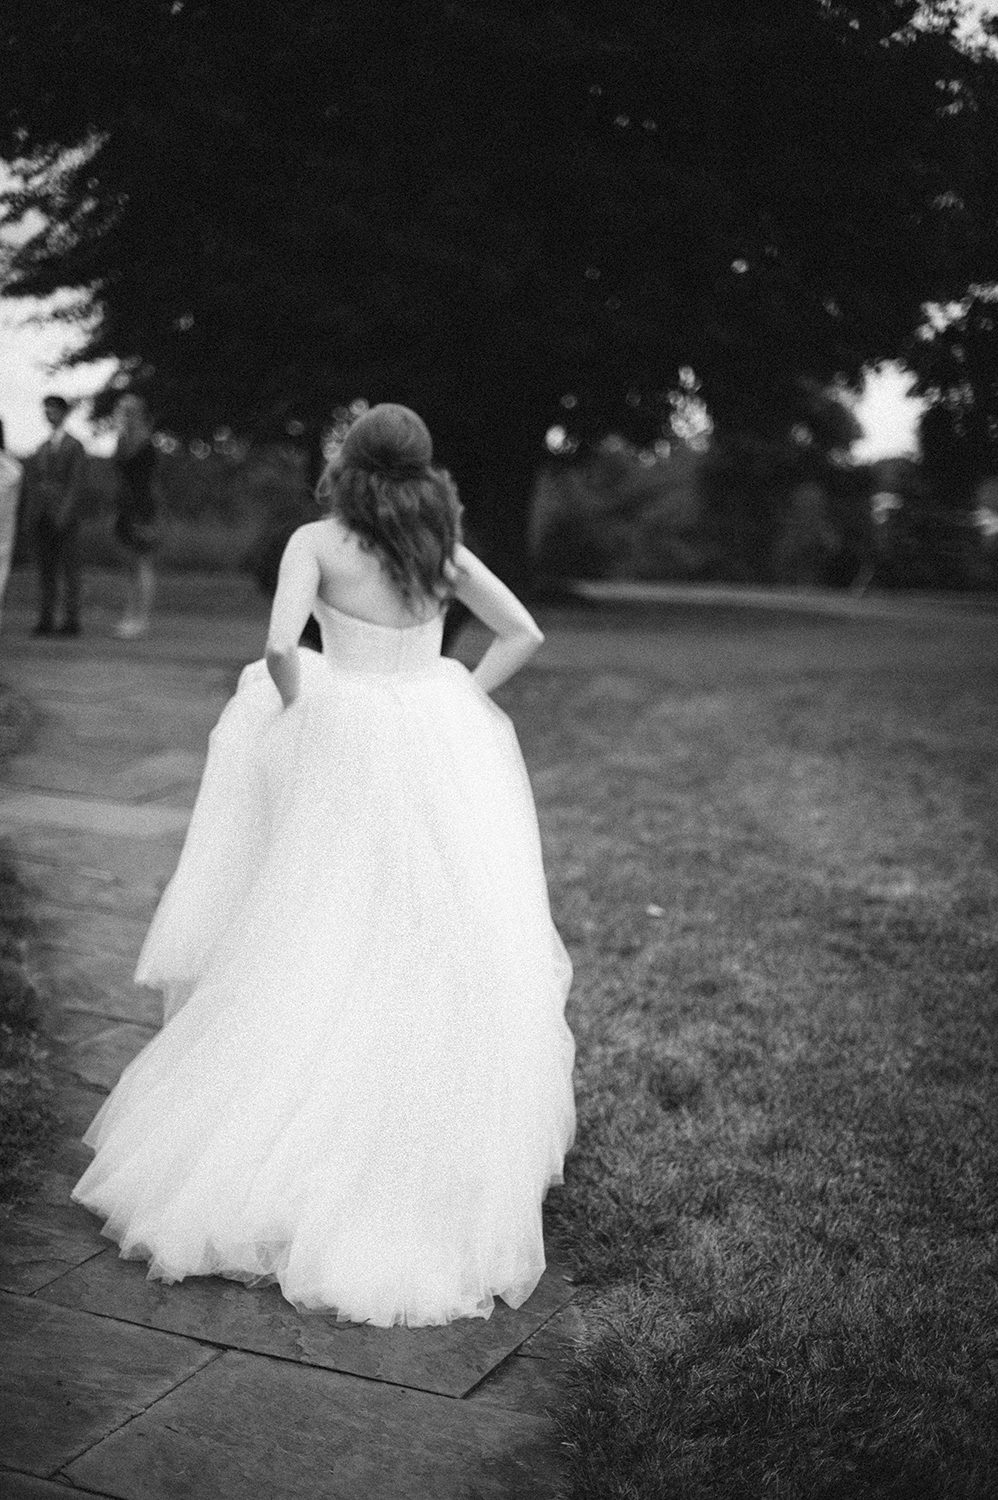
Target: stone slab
x=101 y=986
x=26 y=1487
x=521 y=1384
x=153 y=777
x=146 y=821
x=218 y=648
x=450 y=1360
x=111 y=862
x=204 y=594
x=558 y=1337
x=251 y=1426
x=67 y=771
x=47 y=1236
x=96 y=1050
x=87 y=887
x=76 y=1106
x=67 y=1379
x=535 y=1377
x=69 y=1155
x=101 y=933
x=102 y=674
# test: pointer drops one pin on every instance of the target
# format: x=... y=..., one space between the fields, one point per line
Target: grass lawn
x=775 y=862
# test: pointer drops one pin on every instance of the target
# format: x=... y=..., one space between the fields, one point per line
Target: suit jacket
x=53 y=481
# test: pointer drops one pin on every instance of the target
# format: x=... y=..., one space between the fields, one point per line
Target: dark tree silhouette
x=956 y=364
x=503 y=214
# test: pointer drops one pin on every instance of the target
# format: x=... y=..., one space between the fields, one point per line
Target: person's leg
x=8 y=526
x=69 y=557
x=140 y=585
x=145 y=589
x=46 y=543
x=129 y=603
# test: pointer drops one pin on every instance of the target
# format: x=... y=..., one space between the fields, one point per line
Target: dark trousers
x=57 y=551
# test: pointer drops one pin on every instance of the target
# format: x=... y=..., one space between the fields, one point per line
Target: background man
x=53 y=485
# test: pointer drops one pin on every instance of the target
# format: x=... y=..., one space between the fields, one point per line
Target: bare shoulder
x=298 y=548
x=331 y=542
x=312 y=542
x=303 y=538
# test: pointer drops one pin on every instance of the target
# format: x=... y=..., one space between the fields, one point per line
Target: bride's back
x=353 y=579
x=393 y=521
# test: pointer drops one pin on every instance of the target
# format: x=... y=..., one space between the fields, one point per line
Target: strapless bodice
x=361 y=646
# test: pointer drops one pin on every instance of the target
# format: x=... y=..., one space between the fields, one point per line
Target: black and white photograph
x=499 y=750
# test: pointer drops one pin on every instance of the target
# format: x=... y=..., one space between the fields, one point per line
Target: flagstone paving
x=115 y=1386
x=245 y=1425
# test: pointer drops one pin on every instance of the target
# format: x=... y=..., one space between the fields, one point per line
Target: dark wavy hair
x=384 y=486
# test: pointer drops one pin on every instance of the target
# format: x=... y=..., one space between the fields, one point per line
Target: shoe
x=130 y=630
x=69 y=627
x=44 y=627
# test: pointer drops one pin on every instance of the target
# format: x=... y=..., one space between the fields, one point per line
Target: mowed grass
x=27 y=1117
x=774 y=863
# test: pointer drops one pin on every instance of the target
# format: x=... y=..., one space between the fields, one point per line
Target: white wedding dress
x=363 y=1088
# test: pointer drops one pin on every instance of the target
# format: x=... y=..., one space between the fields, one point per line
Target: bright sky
x=27 y=353
x=31 y=344
x=887 y=414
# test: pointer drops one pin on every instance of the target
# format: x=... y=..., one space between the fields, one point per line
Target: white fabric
x=368 y=1091
x=11 y=475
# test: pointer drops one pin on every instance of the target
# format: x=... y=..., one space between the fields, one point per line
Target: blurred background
x=682 y=298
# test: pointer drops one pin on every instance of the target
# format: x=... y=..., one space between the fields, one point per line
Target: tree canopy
x=955 y=358
x=503 y=214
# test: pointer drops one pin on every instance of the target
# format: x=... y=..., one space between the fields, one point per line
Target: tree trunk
x=497 y=494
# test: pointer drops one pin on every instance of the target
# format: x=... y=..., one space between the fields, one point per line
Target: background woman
x=11 y=476
x=135 y=526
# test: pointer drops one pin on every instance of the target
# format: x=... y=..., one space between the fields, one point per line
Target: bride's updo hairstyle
x=382 y=484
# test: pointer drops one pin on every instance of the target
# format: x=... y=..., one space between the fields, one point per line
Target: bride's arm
x=517 y=634
x=297 y=586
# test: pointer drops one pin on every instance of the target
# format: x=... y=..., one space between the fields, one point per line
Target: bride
x=363 y=1087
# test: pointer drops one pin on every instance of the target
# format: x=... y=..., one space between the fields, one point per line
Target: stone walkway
x=116 y=1386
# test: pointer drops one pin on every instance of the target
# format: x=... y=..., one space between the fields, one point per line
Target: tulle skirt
x=363 y=1087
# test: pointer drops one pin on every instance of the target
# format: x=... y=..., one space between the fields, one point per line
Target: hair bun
x=412 y=528
x=389 y=440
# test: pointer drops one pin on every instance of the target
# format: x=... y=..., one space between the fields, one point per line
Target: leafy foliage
x=487 y=211
x=956 y=362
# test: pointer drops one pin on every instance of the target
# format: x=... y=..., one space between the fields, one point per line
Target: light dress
x=363 y=1087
